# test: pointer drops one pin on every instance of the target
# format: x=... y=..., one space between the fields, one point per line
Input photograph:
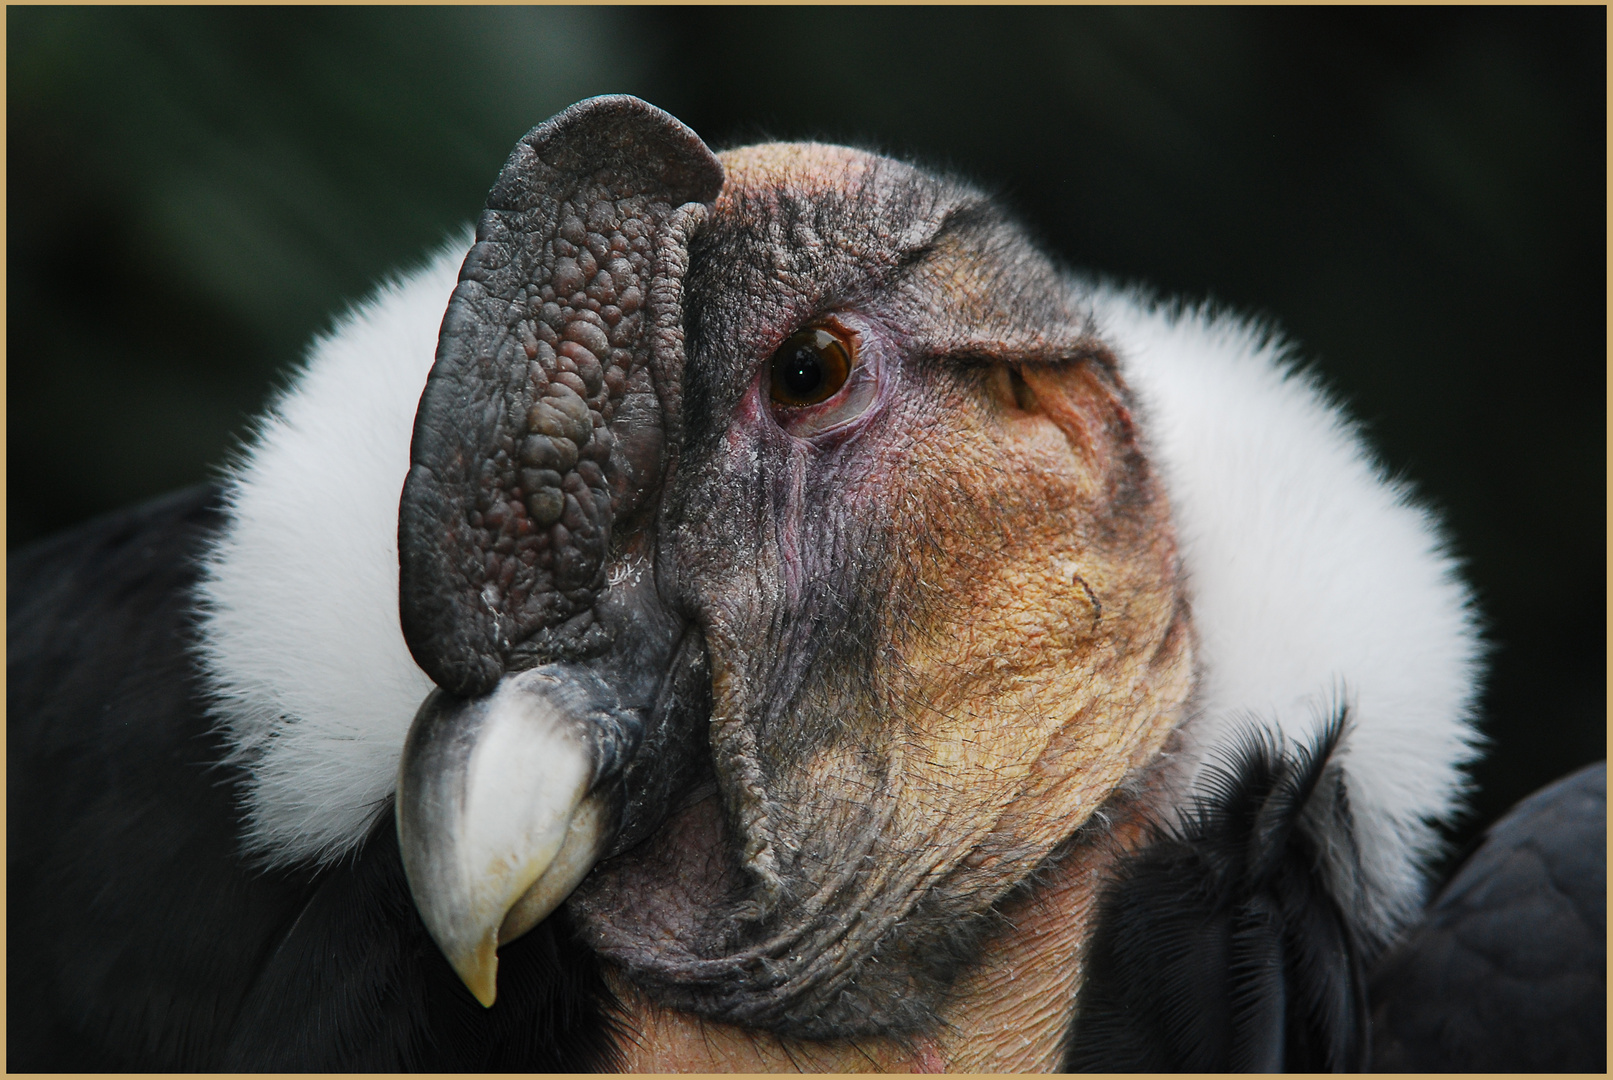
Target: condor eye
x=810 y=367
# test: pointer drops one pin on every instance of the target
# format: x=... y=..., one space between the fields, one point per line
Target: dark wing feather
x=1218 y=946
x=131 y=927
x=1508 y=971
x=138 y=939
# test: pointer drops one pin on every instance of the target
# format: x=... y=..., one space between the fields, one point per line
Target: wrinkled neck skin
x=1010 y=1013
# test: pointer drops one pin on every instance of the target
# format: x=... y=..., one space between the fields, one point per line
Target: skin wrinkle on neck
x=1008 y=1014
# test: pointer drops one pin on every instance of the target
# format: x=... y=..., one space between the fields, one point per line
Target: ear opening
x=1007 y=384
x=1024 y=396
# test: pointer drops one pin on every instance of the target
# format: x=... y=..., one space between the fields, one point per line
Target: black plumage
x=1218 y=946
x=1508 y=971
x=139 y=937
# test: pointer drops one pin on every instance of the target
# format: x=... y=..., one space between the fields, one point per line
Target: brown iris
x=810 y=367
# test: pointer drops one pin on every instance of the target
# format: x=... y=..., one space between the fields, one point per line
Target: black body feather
x=1218 y=946
x=1508 y=971
x=138 y=936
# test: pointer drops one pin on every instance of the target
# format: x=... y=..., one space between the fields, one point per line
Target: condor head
x=779 y=541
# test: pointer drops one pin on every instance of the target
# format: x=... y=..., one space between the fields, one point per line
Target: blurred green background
x=1416 y=195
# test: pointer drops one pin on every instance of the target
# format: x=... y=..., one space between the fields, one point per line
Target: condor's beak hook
x=505 y=802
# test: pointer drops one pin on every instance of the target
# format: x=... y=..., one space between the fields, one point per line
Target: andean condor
x=774 y=618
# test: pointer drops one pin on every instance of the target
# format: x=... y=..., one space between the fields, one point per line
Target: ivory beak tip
x=496 y=819
x=478 y=970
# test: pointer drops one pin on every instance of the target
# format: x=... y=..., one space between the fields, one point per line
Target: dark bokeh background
x=1417 y=196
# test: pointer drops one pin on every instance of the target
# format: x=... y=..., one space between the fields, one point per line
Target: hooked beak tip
x=498 y=819
x=478 y=970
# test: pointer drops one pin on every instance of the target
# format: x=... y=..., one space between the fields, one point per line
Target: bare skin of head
x=1031 y=653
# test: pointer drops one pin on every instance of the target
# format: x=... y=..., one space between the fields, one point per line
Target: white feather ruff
x=313 y=686
x=1313 y=580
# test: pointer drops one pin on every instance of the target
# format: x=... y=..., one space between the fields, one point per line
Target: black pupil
x=803 y=371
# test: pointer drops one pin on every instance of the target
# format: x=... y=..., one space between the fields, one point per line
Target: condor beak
x=505 y=802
